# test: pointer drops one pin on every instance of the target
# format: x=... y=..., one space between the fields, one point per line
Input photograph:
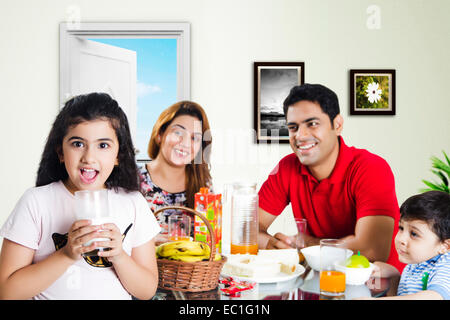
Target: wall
x=330 y=36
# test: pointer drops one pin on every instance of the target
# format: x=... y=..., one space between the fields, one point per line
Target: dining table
x=303 y=287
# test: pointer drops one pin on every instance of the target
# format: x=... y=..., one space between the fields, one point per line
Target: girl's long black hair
x=88 y=107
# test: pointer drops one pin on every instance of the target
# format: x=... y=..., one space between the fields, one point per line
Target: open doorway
x=156 y=83
x=145 y=67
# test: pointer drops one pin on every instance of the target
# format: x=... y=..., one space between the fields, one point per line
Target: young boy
x=423 y=242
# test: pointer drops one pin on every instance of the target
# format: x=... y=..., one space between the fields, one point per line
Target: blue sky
x=156 y=81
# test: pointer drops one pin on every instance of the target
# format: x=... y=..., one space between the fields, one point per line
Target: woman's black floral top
x=158 y=198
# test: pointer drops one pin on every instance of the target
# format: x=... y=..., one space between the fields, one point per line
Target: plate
x=280 y=277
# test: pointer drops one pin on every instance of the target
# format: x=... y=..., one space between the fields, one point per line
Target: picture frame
x=272 y=84
x=372 y=92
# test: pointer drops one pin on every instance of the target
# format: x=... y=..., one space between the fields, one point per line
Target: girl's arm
x=21 y=279
x=138 y=273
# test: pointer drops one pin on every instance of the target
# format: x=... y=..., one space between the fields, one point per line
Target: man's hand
x=280 y=241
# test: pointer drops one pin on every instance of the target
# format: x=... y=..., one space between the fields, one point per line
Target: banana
x=187 y=251
x=217 y=257
x=158 y=249
x=183 y=248
x=189 y=258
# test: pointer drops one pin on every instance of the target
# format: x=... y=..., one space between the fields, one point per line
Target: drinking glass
x=332 y=282
x=179 y=227
x=244 y=219
x=93 y=205
x=300 y=237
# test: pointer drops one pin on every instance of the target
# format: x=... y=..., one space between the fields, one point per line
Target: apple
x=357 y=261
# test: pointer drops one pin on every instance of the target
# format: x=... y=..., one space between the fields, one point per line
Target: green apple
x=357 y=261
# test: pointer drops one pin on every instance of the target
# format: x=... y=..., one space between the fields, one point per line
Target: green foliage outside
x=442 y=170
x=362 y=83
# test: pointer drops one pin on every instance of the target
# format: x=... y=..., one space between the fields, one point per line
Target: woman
x=179 y=147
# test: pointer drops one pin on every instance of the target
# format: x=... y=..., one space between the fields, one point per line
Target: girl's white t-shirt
x=41 y=220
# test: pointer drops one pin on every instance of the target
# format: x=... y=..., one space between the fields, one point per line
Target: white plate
x=280 y=277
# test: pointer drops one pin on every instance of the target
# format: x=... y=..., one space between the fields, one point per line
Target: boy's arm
x=421 y=295
x=387 y=271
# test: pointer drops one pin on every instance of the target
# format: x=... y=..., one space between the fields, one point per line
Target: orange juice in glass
x=332 y=282
x=244 y=219
x=243 y=249
x=300 y=237
x=179 y=227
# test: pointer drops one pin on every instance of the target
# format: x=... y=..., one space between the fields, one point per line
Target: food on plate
x=267 y=263
x=185 y=250
x=288 y=268
x=287 y=258
x=280 y=255
x=252 y=266
x=357 y=261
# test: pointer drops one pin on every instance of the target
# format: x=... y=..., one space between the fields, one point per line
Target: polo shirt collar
x=344 y=158
x=434 y=259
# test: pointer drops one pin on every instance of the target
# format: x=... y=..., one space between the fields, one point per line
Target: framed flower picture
x=372 y=92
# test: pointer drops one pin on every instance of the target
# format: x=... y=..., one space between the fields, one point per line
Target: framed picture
x=372 y=92
x=272 y=83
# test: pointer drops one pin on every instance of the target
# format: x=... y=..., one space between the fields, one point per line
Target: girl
x=89 y=147
x=179 y=147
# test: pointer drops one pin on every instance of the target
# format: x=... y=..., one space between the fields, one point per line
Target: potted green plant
x=442 y=170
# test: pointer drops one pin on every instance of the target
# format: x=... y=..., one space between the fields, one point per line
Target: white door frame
x=178 y=30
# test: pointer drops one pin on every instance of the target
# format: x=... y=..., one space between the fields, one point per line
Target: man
x=343 y=192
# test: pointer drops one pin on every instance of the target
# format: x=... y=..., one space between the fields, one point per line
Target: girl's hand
x=79 y=233
x=111 y=231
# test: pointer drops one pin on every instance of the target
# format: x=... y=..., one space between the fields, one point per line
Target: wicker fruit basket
x=190 y=276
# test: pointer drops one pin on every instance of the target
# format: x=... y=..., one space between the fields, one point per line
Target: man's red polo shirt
x=361 y=184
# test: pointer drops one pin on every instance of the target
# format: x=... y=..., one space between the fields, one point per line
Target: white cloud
x=143 y=89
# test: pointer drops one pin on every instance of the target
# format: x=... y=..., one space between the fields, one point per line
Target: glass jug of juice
x=244 y=219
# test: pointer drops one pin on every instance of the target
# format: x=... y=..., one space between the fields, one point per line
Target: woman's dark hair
x=432 y=207
x=326 y=98
x=88 y=107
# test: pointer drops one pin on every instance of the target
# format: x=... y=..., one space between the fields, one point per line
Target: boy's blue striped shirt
x=438 y=269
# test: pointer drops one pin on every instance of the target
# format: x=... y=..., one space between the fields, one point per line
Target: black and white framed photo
x=272 y=83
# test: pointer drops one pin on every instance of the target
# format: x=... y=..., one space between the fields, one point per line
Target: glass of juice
x=179 y=227
x=300 y=237
x=244 y=219
x=332 y=282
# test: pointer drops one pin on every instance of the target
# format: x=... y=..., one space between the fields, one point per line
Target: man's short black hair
x=326 y=98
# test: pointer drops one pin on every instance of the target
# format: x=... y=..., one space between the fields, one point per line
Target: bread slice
x=251 y=266
x=288 y=268
x=267 y=263
x=287 y=258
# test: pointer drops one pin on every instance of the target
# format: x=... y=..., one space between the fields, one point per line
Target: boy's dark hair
x=432 y=207
x=88 y=107
x=326 y=98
